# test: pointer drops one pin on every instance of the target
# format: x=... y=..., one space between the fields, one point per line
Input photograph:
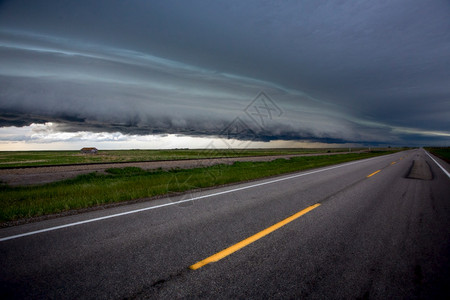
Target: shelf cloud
x=319 y=71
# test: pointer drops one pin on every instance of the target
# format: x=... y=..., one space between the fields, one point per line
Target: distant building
x=89 y=150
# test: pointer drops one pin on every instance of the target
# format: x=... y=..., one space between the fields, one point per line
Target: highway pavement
x=372 y=229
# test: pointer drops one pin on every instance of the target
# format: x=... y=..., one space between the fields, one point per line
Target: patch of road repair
x=420 y=170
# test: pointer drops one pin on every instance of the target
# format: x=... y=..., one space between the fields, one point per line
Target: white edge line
x=182 y=201
x=442 y=168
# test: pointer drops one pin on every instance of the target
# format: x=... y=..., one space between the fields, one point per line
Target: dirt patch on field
x=41 y=175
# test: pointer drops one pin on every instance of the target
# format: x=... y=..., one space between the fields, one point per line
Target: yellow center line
x=393 y=163
x=219 y=255
x=370 y=175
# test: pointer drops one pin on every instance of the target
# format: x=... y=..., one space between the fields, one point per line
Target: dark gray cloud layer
x=366 y=71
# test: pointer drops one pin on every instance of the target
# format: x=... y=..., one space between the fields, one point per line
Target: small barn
x=89 y=150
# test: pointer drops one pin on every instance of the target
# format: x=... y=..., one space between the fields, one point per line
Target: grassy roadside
x=441 y=152
x=134 y=183
x=45 y=158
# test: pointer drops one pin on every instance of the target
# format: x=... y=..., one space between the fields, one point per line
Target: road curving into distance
x=375 y=228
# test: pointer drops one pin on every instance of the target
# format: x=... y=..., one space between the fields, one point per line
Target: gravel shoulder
x=42 y=175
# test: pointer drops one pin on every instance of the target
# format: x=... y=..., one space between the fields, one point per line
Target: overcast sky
x=149 y=74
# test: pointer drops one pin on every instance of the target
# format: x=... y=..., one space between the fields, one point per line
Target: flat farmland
x=35 y=174
x=9 y=159
x=64 y=189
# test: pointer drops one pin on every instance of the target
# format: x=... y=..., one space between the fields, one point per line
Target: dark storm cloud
x=370 y=71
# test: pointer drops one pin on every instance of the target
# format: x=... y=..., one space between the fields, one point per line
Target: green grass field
x=45 y=158
x=134 y=183
x=442 y=152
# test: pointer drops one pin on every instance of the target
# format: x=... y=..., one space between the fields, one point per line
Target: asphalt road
x=376 y=237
